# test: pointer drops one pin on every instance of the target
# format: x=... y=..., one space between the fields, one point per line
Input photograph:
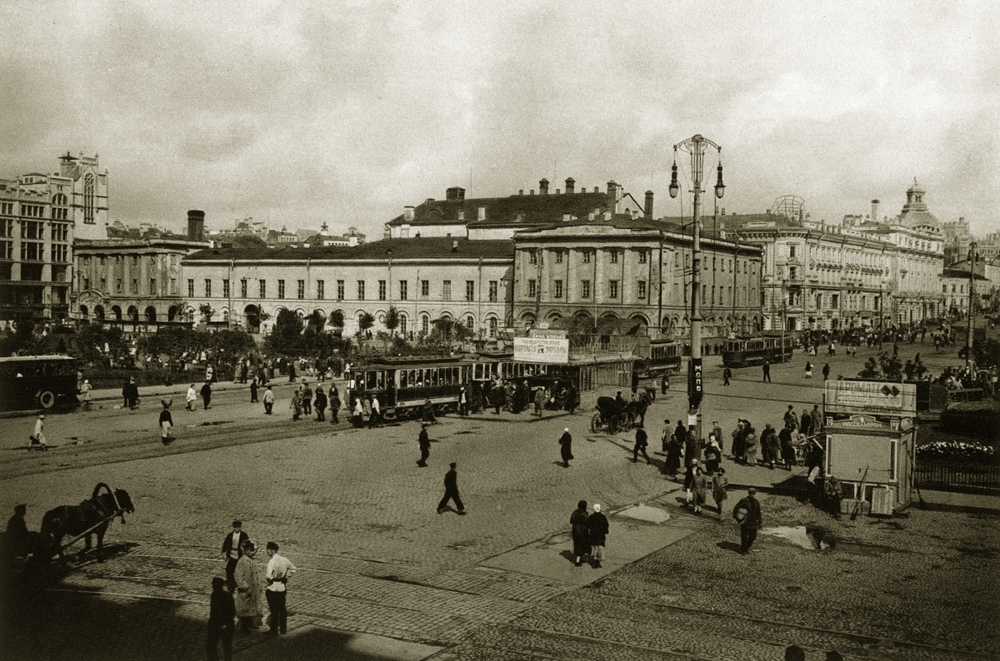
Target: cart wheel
x=47 y=399
x=595 y=423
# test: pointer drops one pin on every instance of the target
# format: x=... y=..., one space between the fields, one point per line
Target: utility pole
x=972 y=287
x=696 y=147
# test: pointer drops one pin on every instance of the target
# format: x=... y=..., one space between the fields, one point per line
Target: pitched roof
x=512 y=210
x=418 y=248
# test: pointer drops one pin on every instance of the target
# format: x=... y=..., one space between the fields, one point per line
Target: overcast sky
x=337 y=111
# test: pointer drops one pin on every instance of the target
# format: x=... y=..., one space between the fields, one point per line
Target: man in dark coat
x=424 y=441
x=232 y=551
x=581 y=533
x=18 y=541
x=566 y=447
x=641 y=441
x=206 y=394
x=307 y=395
x=726 y=375
x=334 y=404
x=130 y=393
x=597 y=524
x=320 y=404
x=767 y=372
x=497 y=397
x=221 y=622
x=451 y=490
x=747 y=514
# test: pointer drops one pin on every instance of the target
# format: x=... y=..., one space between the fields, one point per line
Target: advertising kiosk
x=871 y=443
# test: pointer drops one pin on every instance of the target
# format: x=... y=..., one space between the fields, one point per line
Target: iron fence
x=952 y=475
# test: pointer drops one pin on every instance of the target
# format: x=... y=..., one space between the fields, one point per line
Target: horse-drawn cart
x=610 y=416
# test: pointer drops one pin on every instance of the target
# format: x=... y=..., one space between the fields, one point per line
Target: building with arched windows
x=41 y=215
x=622 y=266
x=423 y=279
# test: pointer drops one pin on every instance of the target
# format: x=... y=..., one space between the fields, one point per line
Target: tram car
x=658 y=358
x=404 y=385
x=746 y=351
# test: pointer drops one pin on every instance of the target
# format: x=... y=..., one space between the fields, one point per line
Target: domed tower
x=915 y=214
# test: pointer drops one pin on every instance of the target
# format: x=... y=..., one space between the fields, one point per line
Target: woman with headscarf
x=566 y=447
x=581 y=533
x=296 y=404
x=713 y=455
x=597 y=523
x=166 y=422
x=700 y=486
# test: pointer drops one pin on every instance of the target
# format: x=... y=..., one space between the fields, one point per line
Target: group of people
x=590 y=531
x=236 y=599
x=515 y=397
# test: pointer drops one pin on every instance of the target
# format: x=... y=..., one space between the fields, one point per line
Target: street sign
x=541 y=350
x=547 y=334
x=695 y=389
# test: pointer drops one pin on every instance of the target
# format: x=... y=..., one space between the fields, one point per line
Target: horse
x=89 y=517
x=636 y=409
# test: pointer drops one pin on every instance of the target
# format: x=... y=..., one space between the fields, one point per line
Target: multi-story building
x=423 y=279
x=816 y=276
x=627 y=267
x=956 y=240
x=917 y=259
x=500 y=217
x=136 y=282
x=41 y=215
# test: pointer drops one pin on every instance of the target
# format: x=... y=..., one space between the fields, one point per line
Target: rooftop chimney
x=482 y=214
x=649 y=205
x=543 y=187
x=875 y=204
x=454 y=245
x=570 y=183
x=196 y=225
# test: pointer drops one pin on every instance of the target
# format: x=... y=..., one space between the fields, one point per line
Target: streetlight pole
x=972 y=286
x=696 y=146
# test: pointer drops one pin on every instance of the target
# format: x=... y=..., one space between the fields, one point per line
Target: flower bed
x=958 y=451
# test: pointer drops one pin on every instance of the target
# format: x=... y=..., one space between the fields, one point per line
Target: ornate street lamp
x=696 y=146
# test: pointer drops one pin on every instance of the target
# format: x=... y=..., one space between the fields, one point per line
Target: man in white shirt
x=279 y=569
x=376 y=416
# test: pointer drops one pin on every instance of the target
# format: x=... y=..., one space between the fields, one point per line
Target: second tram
x=746 y=351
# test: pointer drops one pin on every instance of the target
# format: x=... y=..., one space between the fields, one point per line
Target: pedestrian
x=817 y=419
x=249 y=609
x=787 y=448
x=719 y=484
x=133 y=393
x=597 y=526
x=206 y=394
x=279 y=570
x=190 y=398
x=767 y=372
x=805 y=425
x=451 y=490
x=320 y=403
x=37 y=439
x=791 y=419
x=268 y=400
x=674 y=451
x=566 y=447
x=713 y=455
x=424 y=442
x=750 y=445
x=748 y=516
x=539 y=401
x=826 y=372
x=620 y=401
x=222 y=612
x=769 y=446
x=232 y=550
x=580 y=532
x=809 y=370
x=664 y=383
x=85 y=394
x=358 y=416
x=717 y=432
x=307 y=395
x=463 y=402
x=375 y=416
x=334 y=404
x=166 y=422
x=726 y=375
x=641 y=441
x=296 y=404
x=253 y=391
x=700 y=486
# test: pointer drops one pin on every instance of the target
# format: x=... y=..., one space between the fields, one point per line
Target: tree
x=286 y=336
x=365 y=322
x=337 y=321
x=392 y=319
x=207 y=311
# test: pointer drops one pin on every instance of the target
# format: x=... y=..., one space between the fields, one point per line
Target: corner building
x=623 y=266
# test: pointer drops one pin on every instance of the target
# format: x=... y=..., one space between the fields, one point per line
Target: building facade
x=423 y=279
x=41 y=216
x=135 y=282
x=625 y=267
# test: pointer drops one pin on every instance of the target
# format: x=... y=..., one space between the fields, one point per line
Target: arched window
x=470 y=323
x=88 y=198
x=402 y=324
x=493 y=326
x=425 y=324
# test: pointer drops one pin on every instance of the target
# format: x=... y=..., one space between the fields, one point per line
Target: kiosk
x=871 y=443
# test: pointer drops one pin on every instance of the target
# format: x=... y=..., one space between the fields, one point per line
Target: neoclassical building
x=629 y=267
x=41 y=216
x=424 y=279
